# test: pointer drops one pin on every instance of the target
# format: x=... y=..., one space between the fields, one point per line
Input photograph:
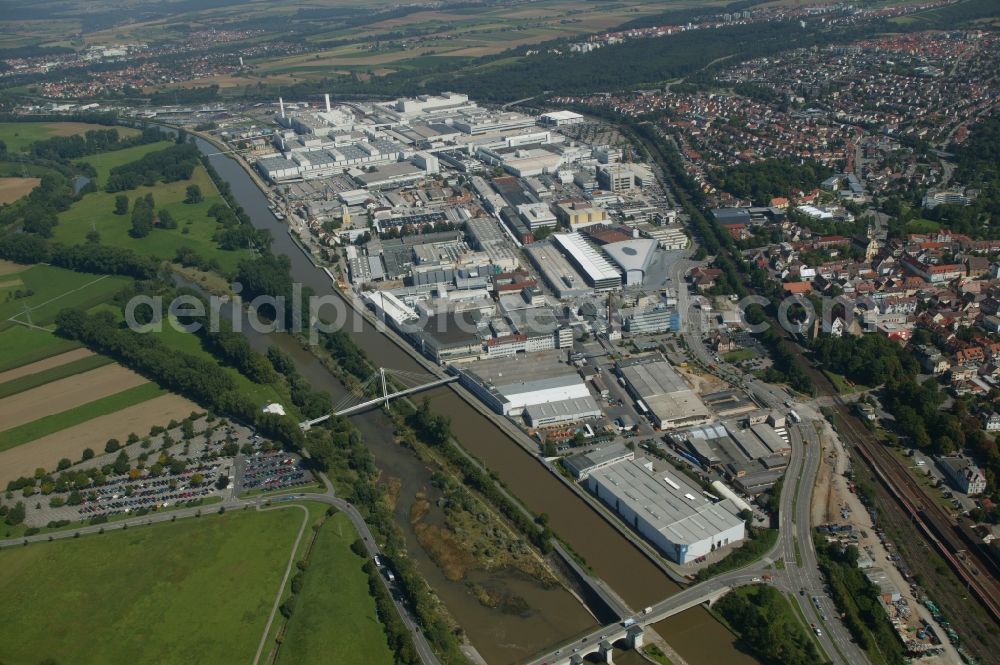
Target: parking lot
x=121 y=495
x=269 y=471
x=169 y=468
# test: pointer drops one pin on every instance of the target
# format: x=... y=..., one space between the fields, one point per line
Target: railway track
x=934 y=523
x=958 y=548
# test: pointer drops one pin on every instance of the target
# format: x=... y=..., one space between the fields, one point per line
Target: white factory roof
x=632 y=254
x=562 y=115
x=652 y=376
x=595 y=265
x=354 y=196
x=667 y=501
x=814 y=212
x=393 y=307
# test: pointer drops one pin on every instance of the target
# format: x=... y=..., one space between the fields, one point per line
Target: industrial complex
x=520 y=253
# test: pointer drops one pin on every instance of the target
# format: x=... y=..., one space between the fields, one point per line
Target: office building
x=537 y=215
x=579 y=214
x=651 y=321
x=615 y=177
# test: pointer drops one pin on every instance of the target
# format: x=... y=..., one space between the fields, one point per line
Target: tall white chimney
x=327 y=97
x=281 y=103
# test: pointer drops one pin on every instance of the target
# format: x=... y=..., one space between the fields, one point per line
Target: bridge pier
x=634 y=637
x=606 y=651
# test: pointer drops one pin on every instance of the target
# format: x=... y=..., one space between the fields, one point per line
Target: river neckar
x=554 y=614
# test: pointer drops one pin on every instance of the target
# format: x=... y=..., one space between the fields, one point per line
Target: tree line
x=434 y=429
x=857 y=600
x=397 y=635
x=98 y=259
x=195 y=377
x=338 y=447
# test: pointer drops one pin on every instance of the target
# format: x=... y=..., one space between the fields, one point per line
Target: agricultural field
x=50 y=386
x=123 y=597
x=335 y=619
x=20 y=346
x=19 y=135
x=46 y=451
x=39 y=377
x=39 y=293
x=11 y=189
x=35 y=429
x=194 y=227
x=64 y=394
x=453 y=33
x=49 y=364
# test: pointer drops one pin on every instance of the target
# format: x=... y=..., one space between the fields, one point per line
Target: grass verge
x=753 y=548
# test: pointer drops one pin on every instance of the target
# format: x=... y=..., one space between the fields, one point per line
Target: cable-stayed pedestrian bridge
x=401 y=382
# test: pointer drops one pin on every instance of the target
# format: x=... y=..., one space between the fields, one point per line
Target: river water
x=500 y=638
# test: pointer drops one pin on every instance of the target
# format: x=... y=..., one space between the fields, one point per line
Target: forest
x=869 y=360
x=552 y=70
x=764 y=180
x=978 y=167
x=169 y=165
x=91 y=143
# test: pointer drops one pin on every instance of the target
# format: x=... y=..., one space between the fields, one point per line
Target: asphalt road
x=801 y=581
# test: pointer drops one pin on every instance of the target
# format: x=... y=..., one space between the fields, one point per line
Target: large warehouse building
x=510 y=385
x=667 y=510
x=600 y=274
x=666 y=397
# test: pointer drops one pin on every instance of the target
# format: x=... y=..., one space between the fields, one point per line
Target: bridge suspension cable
x=379 y=388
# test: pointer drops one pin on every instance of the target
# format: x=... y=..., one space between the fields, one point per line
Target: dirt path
x=47 y=363
x=71 y=442
x=65 y=394
x=829 y=478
